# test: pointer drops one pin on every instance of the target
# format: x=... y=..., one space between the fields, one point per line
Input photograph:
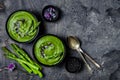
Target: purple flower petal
x=11 y=66
x=47 y=15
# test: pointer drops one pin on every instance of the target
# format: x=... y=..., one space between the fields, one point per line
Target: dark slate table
x=95 y=22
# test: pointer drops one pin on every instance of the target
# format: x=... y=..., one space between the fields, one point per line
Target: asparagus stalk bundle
x=23 y=59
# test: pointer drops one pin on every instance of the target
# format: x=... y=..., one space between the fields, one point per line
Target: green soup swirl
x=22 y=26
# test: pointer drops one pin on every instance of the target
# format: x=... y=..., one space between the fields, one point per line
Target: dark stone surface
x=95 y=22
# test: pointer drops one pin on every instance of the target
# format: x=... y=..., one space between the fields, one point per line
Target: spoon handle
x=84 y=59
x=90 y=58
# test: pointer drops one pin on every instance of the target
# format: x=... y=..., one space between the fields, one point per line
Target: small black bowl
x=45 y=64
x=8 y=32
x=73 y=65
x=51 y=13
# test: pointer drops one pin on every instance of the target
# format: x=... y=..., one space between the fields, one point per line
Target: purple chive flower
x=11 y=66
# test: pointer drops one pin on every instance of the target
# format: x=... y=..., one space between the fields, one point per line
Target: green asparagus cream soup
x=22 y=26
x=49 y=50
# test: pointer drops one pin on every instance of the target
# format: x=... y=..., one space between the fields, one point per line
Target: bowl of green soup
x=49 y=50
x=22 y=26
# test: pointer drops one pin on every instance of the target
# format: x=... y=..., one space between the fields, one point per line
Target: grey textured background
x=95 y=22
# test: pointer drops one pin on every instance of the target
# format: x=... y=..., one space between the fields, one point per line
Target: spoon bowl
x=73 y=42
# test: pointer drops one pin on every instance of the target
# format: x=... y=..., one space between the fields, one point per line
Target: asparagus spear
x=9 y=53
x=35 y=68
x=25 y=67
x=22 y=60
x=21 y=56
x=21 y=53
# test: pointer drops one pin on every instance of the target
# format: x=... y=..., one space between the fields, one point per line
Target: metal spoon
x=74 y=44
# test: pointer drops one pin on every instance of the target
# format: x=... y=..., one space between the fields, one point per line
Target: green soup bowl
x=22 y=26
x=49 y=50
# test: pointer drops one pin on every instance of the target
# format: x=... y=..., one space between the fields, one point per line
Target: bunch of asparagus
x=23 y=59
